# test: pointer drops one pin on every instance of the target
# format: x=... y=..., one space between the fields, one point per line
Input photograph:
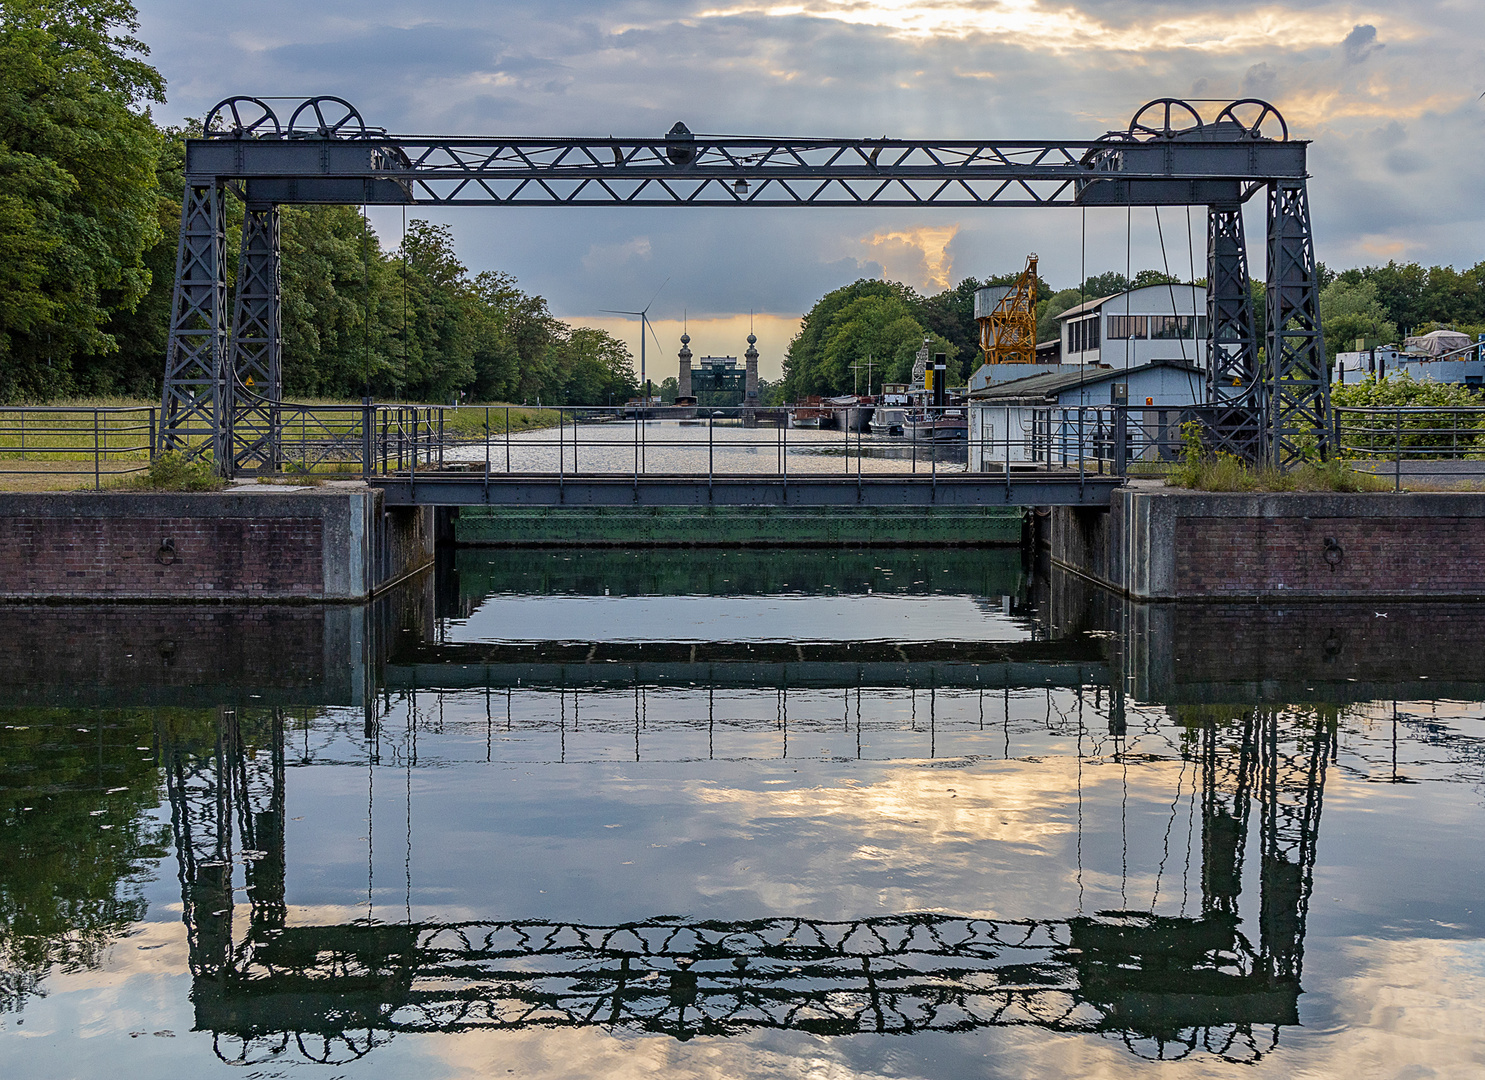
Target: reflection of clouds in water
x=1408 y=1009
x=737 y=618
x=589 y=1053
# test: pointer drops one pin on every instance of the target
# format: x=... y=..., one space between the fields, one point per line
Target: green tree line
x=887 y=320
x=90 y=190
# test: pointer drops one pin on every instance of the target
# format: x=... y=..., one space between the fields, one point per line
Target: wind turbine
x=644 y=324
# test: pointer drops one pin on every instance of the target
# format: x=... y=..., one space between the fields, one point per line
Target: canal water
x=689 y=813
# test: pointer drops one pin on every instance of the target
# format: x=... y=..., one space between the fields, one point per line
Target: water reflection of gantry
x=1166 y=986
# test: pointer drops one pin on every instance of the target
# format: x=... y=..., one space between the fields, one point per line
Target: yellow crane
x=1008 y=333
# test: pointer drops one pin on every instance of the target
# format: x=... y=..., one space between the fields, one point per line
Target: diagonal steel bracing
x=1296 y=376
x=255 y=388
x=196 y=351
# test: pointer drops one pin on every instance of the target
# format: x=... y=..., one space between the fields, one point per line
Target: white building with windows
x=1142 y=326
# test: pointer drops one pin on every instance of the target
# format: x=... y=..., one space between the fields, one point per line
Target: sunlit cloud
x=1058 y=29
x=919 y=256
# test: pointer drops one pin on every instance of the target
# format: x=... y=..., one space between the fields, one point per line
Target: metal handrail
x=564 y=448
x=77 y=440
x=1410 y=433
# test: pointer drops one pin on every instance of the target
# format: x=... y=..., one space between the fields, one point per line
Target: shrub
x=171 y=471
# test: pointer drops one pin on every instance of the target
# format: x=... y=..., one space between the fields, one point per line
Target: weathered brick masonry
x=163 y=556
x=1167 y=544
x=325 y=544
x=1331 y=556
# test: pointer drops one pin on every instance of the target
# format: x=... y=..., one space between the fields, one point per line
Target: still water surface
x=825 y=814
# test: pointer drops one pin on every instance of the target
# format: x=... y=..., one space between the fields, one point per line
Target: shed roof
x=1093 y=305
x=1053 y=383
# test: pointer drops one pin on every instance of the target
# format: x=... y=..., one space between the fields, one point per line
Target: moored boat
x=943 y=426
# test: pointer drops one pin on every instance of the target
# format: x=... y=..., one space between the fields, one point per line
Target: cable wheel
x=241 y=118
x=1167 y=114
x=326 y=118
x=1260 y=111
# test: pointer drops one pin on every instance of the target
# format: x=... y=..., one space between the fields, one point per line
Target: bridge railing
x=658 y=440
x=50 y=446
x=1129 y=439
x=1417 y=443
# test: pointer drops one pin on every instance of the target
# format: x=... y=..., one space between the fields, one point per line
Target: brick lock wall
x=162 y=556
x=1331 y=556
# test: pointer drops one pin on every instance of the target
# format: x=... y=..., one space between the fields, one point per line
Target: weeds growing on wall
x=170 y=471
x=1203 y=470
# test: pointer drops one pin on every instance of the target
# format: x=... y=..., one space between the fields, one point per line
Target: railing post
x=1081 y=455
x=1121 y=440
x=152 y=433
x=97 y=479
x=507 y=440
x=487 y=443
x=368 y=421
x=1397 y=455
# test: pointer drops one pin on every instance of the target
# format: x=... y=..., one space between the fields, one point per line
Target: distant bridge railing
x=658 y=440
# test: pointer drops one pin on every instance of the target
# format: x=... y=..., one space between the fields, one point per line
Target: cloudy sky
x=1388 y=92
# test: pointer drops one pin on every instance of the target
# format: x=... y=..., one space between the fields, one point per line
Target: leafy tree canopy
x=79 y=200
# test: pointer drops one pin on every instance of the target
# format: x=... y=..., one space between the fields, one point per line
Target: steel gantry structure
x=222 y=384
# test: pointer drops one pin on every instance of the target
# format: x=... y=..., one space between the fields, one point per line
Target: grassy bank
x=105 y=441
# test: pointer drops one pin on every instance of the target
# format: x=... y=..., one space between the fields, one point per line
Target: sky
x=1388 y=93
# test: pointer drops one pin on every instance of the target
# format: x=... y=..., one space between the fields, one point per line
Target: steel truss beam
x=1226 y=165
x=1218 y=164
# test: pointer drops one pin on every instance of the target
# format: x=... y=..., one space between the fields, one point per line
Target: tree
x=79 y=204
x=595 y=368
x=1348 y=312
x=951 y=315
x=1109 y=283
x=845 y=325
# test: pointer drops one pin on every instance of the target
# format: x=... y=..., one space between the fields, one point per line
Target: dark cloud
x=1360 y=43
x=637 y=66
x=1260 y=80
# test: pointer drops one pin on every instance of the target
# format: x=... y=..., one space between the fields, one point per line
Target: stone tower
x=683 y=380
x=750 y=395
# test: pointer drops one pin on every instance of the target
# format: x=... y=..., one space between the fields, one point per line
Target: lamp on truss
x=739 y=186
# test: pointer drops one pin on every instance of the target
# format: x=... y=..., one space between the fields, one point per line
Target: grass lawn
x=58 y=446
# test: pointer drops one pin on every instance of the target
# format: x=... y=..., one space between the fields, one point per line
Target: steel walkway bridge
x=223 y=371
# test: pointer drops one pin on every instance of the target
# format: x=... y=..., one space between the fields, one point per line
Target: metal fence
x=1438 y=445
x=695 y=441
x=1123 y=440
x=40 y=444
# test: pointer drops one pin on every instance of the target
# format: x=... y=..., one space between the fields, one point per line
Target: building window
x=1129 y=326
x=1082 y=335
x=1175 y=327
x=1158 y=327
